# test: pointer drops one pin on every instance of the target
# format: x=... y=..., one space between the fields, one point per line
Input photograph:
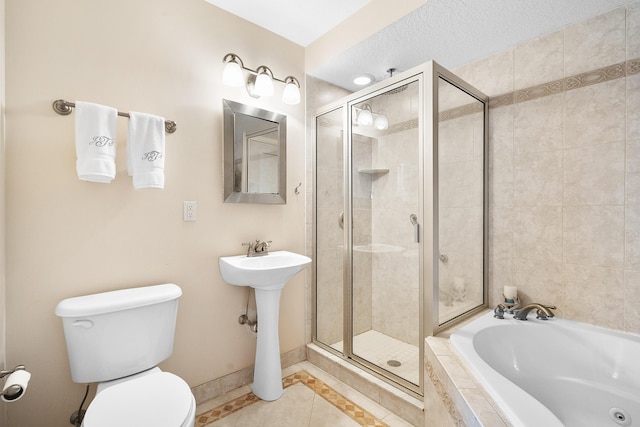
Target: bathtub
x=554 y=372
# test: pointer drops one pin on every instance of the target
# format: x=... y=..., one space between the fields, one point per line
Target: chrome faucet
x=543 y=311
x=257 y=248
x=262 y=248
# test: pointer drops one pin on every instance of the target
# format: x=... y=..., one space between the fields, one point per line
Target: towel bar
x=63 y=107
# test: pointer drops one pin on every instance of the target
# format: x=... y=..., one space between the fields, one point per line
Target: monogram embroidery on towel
x=101 y=141
x=152 y=156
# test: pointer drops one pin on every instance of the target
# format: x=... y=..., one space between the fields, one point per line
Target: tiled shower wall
x=565 y=168
x=329 y=246
x=396 y=276
x=460 y=172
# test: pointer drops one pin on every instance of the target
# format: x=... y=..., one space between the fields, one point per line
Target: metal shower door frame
x=427 y=76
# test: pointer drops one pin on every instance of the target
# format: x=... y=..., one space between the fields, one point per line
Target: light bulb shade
x=232 y=74
x=365 y=118
x=291 y=94
x=263 y=85
x=381 y=122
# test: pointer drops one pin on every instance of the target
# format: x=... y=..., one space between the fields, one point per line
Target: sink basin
x=270 y=271
x=267 y=274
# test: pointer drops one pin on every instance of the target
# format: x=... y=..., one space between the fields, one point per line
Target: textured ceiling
x=301 y=21
x=455 y=32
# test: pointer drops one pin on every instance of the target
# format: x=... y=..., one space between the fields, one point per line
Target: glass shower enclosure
x=400 y=219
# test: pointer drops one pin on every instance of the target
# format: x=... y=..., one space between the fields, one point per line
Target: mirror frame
x=232 y=135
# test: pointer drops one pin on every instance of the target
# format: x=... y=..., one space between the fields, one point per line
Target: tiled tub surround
x=564 y=174
x=452 y=395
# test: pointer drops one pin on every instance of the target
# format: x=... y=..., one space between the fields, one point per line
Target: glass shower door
x=461 y=160
x=385 y=208
x=329 y=228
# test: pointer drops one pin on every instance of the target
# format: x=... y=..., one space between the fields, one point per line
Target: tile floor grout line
x=347 y=407
x=352 y=410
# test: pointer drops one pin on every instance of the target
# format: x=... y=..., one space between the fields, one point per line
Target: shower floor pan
x=393 y=355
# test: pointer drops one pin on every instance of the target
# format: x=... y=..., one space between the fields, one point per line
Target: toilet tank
x=115 y=334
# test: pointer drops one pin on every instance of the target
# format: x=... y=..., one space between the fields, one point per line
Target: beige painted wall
x=2 y=208
x=66 y=237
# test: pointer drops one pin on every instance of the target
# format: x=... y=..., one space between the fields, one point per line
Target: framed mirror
x=255 y=157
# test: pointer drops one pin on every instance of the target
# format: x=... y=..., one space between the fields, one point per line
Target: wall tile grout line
x=578 y=81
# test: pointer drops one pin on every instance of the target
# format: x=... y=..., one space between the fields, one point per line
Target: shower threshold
x=403 y=404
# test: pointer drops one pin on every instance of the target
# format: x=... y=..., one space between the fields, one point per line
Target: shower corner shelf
x=376 y=171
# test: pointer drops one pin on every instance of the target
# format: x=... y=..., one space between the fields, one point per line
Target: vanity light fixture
x=366 y=117
x=232 y=74
x=264 y=82
x=260 y=82
x=381 y=122
x=291 y=92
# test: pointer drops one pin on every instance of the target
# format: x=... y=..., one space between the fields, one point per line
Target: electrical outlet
x=190 y=210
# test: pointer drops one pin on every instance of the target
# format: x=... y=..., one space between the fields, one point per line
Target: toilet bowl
x=152 y=398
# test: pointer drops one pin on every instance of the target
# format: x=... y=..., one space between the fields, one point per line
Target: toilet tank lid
x=124 y=299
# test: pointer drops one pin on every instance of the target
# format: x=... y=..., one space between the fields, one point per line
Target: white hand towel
x=145 y=150
x=95 y=142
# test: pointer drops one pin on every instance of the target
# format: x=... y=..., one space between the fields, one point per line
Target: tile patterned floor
x=353 y=411
x=308 y=402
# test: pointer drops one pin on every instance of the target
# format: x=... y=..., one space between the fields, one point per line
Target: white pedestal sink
x=267 y=274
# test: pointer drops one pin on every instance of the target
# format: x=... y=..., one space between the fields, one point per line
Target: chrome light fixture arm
x=291 y=94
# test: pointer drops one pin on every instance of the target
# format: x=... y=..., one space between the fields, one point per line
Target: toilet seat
x=160 y=399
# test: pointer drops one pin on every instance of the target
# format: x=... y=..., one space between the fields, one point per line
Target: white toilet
x=116 y=339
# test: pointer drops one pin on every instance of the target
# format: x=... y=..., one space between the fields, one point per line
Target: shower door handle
x=416 y=227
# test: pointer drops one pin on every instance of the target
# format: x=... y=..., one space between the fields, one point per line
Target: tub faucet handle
x=540 y=315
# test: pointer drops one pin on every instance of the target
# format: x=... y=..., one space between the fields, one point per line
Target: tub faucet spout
x=544 y=311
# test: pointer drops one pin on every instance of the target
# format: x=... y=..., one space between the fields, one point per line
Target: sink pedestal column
x=267 y=374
